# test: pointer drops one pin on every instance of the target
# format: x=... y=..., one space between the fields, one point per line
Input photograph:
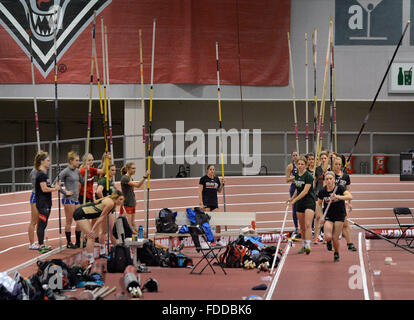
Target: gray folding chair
x=404 y=212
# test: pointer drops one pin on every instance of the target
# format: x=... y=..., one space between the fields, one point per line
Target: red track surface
x=301 y=277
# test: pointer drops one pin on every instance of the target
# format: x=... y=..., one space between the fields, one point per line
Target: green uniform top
x=301 y=181
x=93 y=210
x=102 y=182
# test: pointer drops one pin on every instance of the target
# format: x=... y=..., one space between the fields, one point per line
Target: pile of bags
x=52 y=277
x=249 y=253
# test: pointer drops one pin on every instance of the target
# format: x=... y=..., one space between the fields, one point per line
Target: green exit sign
x=400 y=78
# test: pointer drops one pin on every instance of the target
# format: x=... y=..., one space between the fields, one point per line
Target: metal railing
x=15 y=177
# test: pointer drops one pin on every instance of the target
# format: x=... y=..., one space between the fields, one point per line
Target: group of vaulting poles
x=319 y=115
x=320 y=125
x=105 y=105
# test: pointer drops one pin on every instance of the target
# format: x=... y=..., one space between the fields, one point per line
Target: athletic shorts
x=68 y=201
x=33 y=198
x=211 y=207
x=127 y=210
x=78 y=215
x=335 y=217
x=304 y=204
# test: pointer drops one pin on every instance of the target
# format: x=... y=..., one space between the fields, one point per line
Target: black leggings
x=42 y=224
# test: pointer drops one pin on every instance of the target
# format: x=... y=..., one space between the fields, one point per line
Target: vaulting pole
x=330 y=133
x=55 y=25
x=315 y=100
x=220 y=124
x=279 y=240
x=108 y=95
x=293 y=94
x=88 y=134
x=105 y=100
x=104 y=111
x=106 y=105
x=306 y=93
x=150 y=122
x=323 y=100
x=334 y=98
x=141 y=71
x=34 y=88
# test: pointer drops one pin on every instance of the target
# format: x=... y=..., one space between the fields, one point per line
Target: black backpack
x=165 y=223
x=119 y=258
x=201 y=216
x=150 y=255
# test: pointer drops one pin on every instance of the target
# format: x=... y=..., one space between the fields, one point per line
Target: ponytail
x=126 y=167
x=40 y=156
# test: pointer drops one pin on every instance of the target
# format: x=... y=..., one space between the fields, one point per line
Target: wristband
x=144 y=178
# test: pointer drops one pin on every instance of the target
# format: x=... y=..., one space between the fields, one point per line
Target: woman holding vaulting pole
x=34 y=212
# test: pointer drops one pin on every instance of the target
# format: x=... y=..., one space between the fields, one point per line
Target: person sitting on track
x=342 y=177
x=71 y=178
x=34 y=219
x=128 y=185
x=98 y=209
x=334 y=219
x=304 y=197
x=291 y=170
x=209 y=185
x=43 y=191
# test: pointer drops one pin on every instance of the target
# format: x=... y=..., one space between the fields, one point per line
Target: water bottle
x=180 y=259
x=140 y=232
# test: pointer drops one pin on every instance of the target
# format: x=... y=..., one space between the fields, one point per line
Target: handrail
x=285 y=154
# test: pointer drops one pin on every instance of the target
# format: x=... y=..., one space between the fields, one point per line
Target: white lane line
x=277 y=275
x=361 y=262
x=34 y=260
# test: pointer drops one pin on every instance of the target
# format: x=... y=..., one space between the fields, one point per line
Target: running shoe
x=318 y=240
x=329 y=245
x=221 y=243
x=70 y=245
x=43 y=249
x=351 y=247
x=34 y=246
x=336 y=257
x=301 y=251
x=308 y=250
